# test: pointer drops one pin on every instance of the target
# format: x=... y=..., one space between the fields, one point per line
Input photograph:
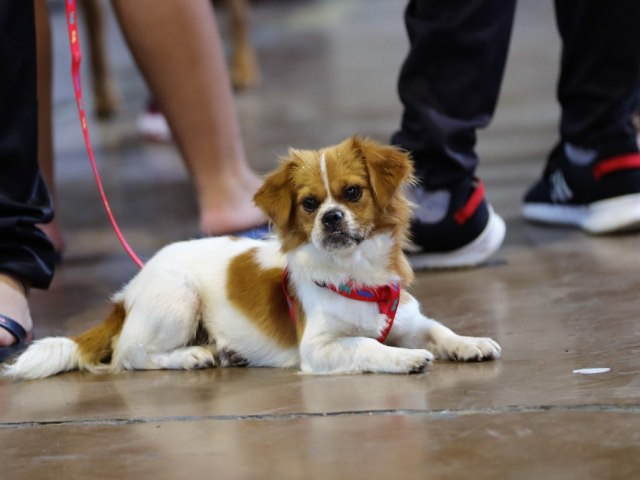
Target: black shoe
x=462 y=231
x=600 y=196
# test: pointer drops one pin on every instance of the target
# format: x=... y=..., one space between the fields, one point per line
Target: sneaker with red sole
x=577 y=189
x=453 y=228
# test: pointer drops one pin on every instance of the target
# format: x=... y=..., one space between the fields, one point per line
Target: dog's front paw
x=469 y=349
x=413 y=361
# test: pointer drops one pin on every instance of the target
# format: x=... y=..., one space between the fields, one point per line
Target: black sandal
x=23 y=338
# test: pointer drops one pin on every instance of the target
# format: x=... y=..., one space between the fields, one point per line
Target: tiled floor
x=556 y=300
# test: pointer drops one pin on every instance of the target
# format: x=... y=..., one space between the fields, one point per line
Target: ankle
x=14 y=304
x=229 y=221
x=15 y=283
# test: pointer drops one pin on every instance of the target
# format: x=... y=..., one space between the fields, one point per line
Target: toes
x=420 y=368
x=230 y=358
x=488 y=349
x=471 y=349
x=201 y=358
x=205 y=363
x=422 y=362
x=497 y=349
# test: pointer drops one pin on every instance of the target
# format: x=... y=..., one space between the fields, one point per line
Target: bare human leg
x=106 y=98
x=178 y=48
x=14 y=303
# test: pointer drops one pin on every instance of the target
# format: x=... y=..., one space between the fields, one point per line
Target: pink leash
x=76 y=58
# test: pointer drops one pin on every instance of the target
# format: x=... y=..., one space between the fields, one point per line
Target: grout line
x=434 y=414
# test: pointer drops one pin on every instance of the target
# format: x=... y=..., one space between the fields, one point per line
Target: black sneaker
x=454 y=229
x=599 y=196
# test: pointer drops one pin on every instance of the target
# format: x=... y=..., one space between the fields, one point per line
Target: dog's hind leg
x=163 y=314
x=186 y=358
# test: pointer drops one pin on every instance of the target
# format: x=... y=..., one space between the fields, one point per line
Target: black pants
x=450 y=81
x=24 y=250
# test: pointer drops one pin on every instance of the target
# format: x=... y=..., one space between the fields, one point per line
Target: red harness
x=386 y=296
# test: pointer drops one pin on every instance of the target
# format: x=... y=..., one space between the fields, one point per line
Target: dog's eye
x=310 y=204
x=353 y=193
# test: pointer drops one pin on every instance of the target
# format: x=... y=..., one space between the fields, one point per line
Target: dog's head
x=338 y=197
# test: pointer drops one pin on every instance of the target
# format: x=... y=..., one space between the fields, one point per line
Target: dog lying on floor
x=324 y=296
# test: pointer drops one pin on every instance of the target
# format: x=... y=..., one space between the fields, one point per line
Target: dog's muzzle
x=336 y=232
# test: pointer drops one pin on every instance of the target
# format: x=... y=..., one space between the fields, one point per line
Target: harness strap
x=386 y=296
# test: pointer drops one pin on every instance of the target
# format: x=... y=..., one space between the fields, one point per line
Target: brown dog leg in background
x=106 y=98
x=245 y=72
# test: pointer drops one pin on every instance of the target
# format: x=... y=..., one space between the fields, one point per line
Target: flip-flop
x=256 y=233
x=260 y=232
x=23 y=338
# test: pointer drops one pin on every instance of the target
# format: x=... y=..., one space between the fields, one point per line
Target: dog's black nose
x=332 y=218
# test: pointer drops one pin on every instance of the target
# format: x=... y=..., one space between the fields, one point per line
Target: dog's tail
x=89 y=351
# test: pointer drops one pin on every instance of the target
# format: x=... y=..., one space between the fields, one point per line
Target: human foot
x=228 y=207
x=13 y=304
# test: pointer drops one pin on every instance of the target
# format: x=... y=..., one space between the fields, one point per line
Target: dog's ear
x=275 y=197
x=388 y=167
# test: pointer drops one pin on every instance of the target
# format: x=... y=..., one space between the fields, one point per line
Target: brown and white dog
x=341 y=219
